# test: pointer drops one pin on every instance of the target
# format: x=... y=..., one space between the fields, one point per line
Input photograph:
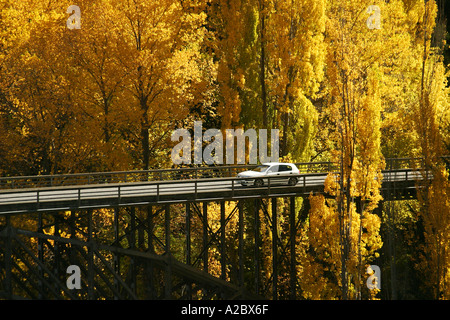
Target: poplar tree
x=159 y=45
x=433 y=186
x=361 y=40
x=271 y=60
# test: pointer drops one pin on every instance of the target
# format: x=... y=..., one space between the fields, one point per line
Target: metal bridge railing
x=41 y=181
x=171 y=191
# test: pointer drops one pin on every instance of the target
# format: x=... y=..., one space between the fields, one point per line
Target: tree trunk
x=262 y=65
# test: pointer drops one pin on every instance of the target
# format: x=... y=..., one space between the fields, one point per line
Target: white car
x=279 y=173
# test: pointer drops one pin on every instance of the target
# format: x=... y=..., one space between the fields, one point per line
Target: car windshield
x=260 y=168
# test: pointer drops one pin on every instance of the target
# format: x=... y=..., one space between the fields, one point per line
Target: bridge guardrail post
x=232 y=188
x=38 y=205
x=195 y=183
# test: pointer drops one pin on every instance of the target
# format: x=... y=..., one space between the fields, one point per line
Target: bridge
x=184 y=233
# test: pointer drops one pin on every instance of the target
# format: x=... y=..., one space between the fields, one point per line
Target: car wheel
x=292 y=181
x=258 y=183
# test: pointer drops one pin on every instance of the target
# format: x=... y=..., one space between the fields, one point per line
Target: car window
x=285 y=167
x=273 y=169
x=260 y=168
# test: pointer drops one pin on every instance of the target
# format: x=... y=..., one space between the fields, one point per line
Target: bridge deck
x=176 y=191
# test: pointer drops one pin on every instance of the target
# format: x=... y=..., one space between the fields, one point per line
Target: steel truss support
x=283 y=245
x=193 y=250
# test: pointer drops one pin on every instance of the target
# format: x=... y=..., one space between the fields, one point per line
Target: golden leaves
x=86 y=95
